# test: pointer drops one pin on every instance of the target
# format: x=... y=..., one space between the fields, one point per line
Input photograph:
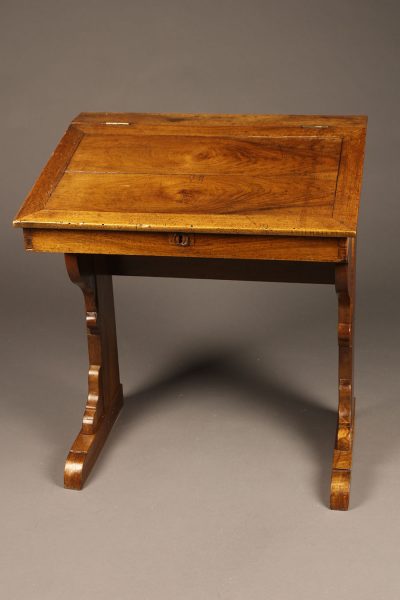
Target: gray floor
x=214 y=483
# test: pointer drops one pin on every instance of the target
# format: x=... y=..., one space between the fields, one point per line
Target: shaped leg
x=342 y=454
x=104 y=388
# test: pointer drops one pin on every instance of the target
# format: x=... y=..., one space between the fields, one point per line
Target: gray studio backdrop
x=214 y=483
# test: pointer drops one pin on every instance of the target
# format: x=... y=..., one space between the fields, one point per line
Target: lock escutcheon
x=181 y=239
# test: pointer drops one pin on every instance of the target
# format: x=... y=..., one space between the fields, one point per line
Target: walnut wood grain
x=342 y=459
x=215 y=124
x=198 y=245
x=202 y=155
x=51 y=174
x=192 y=194
x=104 y=388
x=243 y=174
x=275 y=225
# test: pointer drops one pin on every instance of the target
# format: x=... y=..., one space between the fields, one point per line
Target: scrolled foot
x=340 y=489
x=86 y=448
x=74 y=475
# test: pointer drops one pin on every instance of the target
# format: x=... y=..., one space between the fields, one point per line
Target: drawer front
x=258 y=247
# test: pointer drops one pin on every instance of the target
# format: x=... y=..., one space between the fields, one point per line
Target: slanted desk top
x=223 y=174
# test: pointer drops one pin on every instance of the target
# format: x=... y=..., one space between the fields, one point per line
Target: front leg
x=104 y=388
x=342 y=454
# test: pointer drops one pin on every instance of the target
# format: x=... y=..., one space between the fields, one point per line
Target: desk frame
x=93 y=274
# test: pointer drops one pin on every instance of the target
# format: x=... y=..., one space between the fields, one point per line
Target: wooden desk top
x=241 y=174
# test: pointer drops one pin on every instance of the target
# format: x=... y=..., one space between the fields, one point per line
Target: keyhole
x=181 y=239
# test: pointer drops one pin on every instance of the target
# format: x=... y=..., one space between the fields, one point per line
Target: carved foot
x=87 y=447
x=341 y=467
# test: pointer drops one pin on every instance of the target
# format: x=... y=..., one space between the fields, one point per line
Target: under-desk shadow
x=305 y=415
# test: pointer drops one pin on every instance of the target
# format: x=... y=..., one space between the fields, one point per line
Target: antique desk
x=247 y=197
